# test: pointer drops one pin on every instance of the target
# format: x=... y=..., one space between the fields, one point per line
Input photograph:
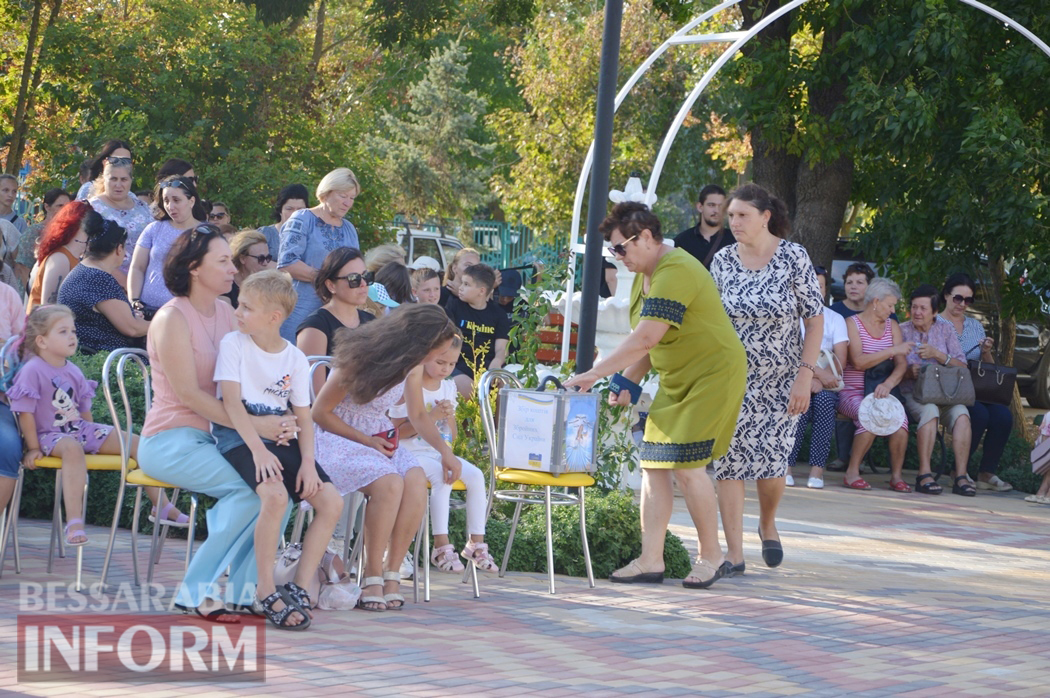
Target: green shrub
x=613 y=533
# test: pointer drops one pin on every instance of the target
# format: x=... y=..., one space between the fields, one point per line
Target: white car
x=428 y=243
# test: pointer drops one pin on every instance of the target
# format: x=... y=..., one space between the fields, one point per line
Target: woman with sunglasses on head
x=292 y=198
x=176 y=167
x=62 y=244
x=113 y=199
x=250 y=254
x=342 y=285
x=992 y=422
x=104 y=318
x=308 y=237
x=113 y=148
x=180 y=210
x=682 y=331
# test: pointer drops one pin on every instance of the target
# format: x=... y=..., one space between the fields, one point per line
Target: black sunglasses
x=355 y=280
x=963 y=300
x=619 y=250
x=820 y=270
x=217 y=216
x=180 y=184
x=261 y=258
x=112 y=160
x=204 y=229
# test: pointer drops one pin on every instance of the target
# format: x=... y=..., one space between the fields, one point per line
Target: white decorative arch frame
x=681 y=37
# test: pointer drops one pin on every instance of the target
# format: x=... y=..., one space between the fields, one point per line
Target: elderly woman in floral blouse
x=935 y=343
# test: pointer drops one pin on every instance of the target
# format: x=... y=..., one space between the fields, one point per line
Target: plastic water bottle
x=444 y=429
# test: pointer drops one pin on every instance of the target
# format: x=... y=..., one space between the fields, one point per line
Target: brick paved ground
x=881 y=594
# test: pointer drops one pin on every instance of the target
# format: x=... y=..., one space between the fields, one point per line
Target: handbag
x=828 y=361
x=943 y=386
x=1041 y=457
x=877 y=374
x=993 y=383
x=330 y=588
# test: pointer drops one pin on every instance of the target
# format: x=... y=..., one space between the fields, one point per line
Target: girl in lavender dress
x=357 y=441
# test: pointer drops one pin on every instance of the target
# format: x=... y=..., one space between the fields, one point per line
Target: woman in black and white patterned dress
x=767 y=284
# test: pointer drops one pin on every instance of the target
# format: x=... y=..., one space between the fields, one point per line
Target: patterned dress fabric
x=765 y=307
x=352 y=465
x=700 y=362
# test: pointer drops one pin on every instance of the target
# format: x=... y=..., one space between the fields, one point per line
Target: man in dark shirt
x=708 y=236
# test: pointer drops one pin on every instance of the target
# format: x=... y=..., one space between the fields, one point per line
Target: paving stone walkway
x=880 y=594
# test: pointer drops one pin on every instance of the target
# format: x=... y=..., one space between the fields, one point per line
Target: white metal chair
x=423 y=541
x=115 y=371
x=526 y=479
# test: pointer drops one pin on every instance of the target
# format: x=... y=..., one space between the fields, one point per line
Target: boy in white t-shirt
x=260 y=373
x=439 y=394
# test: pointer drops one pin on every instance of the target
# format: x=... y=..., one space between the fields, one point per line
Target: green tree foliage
x=276 y=11
x=206 y=82
x=557 y=69
x=430 y=158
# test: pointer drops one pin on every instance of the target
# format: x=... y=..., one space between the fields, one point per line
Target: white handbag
x=828 y=361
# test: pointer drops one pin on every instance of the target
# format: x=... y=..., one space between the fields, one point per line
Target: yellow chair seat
x=140 y=479
x=94 y=462
x=541 y=479
x=457 y=486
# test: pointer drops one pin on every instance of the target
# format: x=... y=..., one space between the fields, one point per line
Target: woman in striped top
x=873 y=338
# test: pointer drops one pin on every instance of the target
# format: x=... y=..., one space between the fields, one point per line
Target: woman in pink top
x=177 y=445
x=875 y=337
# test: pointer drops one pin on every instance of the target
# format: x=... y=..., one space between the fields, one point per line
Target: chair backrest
x=9 y=362
x=488 y=418
x=114 y=370
x=316 y=364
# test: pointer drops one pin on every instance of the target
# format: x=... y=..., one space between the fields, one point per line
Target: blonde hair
x=421 y=276
x=378 y=257
x=339 y=179
x=99 y=185
x=242 y=242
x=450 y=273
x=40 y=321
x=273 y=288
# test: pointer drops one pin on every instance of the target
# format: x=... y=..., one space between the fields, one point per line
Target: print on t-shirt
x=480 y=328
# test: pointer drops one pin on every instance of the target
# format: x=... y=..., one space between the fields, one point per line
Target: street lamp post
x=596 y=202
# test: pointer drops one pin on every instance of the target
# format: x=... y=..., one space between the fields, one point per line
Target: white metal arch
x=682 y=36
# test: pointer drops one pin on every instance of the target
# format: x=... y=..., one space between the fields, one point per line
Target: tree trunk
x=822 y=195
x=1007 y=342
x=318 y=50
x=18 y=131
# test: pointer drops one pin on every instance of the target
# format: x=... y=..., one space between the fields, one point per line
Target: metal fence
x=501 y=245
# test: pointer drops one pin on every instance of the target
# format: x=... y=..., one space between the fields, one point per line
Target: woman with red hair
x=62 y=243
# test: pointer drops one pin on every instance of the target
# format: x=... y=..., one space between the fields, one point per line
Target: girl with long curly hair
x=358 y=443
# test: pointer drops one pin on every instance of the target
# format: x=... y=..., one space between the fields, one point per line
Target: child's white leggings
x=477 y=496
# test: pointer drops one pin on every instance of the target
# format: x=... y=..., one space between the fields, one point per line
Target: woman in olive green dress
x=682 y=331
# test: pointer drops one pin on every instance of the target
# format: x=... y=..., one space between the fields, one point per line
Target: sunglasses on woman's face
x=620 y=250
x=962 y=300
x=355 y=280
x=261 y=258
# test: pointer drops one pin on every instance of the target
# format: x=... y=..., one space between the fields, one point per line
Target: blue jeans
x=10 y=443
x=994 y=423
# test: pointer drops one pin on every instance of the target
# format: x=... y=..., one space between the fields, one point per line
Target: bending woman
x=681 y=330
x=177 y=445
